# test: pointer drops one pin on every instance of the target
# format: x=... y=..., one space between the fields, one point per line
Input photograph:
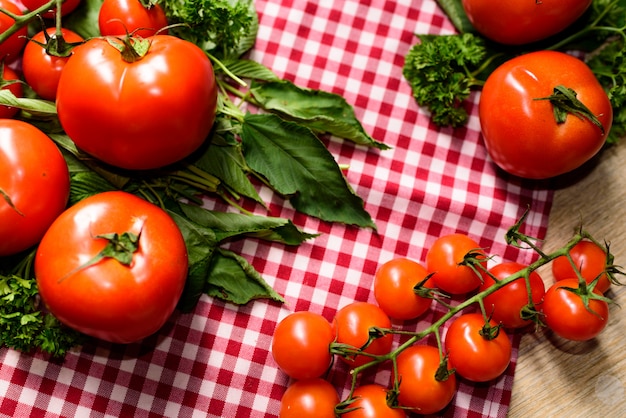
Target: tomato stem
x=565 y=102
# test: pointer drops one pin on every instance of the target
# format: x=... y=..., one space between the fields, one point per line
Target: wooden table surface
x=558 y=378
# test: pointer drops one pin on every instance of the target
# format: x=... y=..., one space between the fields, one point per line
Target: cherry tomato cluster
x=122 y=263
x=474 y=345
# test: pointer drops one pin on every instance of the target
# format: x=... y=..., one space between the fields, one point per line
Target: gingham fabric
x=216 y=361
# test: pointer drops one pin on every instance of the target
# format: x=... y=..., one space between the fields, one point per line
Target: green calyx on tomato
x=132 y=48
x=565 y=102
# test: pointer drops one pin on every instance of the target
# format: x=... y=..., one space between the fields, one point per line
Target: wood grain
x=558 y=378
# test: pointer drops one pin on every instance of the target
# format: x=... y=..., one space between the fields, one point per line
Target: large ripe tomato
x=394 y=285
x=371 y=402
x=352 y=325
x=67 y=7
x=301 y=345
x=444 y=259
x=566 y=315
x=505 y=304
x=520 y=131
x=420 y=390
x=522 y=22
x=11 y=48
x=42 y=70
x=590 y=259
x=35 y=180
x=476 y=357
x=118 y=17
x=119 y=300
x=310 y=398
x=10 y=81
x=144 y=114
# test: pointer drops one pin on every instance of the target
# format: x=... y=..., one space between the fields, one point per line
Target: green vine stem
x=514 y=237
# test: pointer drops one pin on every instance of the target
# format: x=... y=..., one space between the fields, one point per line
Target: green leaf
x=456 y=14
x=84 y=19
x=234 y=280
x=38 y=107
x=228 y=225
x=201 y=244
x=298 y=165
x=226 y=162
x=318 y=110
x=245 y=68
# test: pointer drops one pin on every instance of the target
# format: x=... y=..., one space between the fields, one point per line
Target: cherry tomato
x=394 y=285
x=310 y=398
x=42 y=70
x=371 y=402
x=10 y=81
x=419 y=389
x=505 y=304
x=590 y=258
x=67 y=7
x=118 y=17
x=522 y=22
x=35 y=179
x=301 y=345
x=444 y=259
x=352 y=325
x=11 y=48
x=521 y=133
x=566 y=315
x=474 y=356
x=118 y=300
x=138 y=115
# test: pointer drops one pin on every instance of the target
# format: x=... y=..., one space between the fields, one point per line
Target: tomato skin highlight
x=118 y=17
x=351 y=326
x=109 y=300
x=419 y=390
x=34 y=175
x=590 y=259
x=520 y=132
x=443 y=258
x=41 y=70
x=393 y=289
x=371 y=402
x=141 y=115
x=303 y=335
x=310 y=398
x=12 y=47
x=523 y=22
x=566 y=315
x=473 y=356
x=504 y=305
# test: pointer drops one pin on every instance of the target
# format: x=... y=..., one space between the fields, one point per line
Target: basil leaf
x=298 y=165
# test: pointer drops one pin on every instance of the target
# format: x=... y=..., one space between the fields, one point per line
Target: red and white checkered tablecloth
x=216 y=361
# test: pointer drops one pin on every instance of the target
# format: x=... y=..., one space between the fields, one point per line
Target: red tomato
x=42 y=70
x=521 y=133
x=590 y=259
x=506 y=304
x=371 y=402
x=443 y=260
x=11 y=48
x=566 y=315
x=106 y=298
x=138 y=115
x=303 y=335
x=474 y=356
x=67 y=7
x=352 y=325
x=419 y=389
x=35 y=179
x=311 y=398
x=8 y=82
x=394 y=285
x=118 y=17
x=522 y=22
